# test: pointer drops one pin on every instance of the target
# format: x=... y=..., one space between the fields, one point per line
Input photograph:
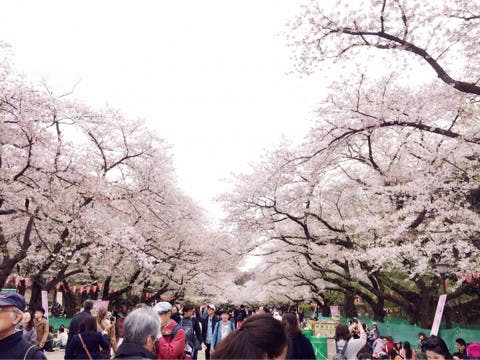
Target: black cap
x=12 y=299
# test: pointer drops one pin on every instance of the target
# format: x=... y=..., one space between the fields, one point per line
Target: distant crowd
x=172 y=331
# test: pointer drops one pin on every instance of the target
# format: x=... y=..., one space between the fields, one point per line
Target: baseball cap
x=162 y=307
x=12 y=299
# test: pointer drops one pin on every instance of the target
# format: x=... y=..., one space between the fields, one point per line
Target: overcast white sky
x=209 y=76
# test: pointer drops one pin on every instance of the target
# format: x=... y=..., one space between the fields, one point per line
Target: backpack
x=30 y=352
x=340 y=355
x=188 y=326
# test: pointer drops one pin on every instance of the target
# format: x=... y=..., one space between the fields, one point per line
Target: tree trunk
x=36 y=296
x=349 y=305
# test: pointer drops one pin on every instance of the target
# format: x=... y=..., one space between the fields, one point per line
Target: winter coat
x=75 y=325
x=15 y=347
x=204 y=322
x=168 y=347
x=93 y=342
x=133 y=351
x=41 y=327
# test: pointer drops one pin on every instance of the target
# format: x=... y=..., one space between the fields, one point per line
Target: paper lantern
x=468 y=277
x=460 y=277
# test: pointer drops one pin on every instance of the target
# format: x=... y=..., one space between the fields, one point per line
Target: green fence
x=402 y=331
x=319 y=345
x=57 y=321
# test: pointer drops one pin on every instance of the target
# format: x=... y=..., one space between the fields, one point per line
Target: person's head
x=374 y=326
x=461 y=344
x=408 y=349
x=88 y=306
x=102 y=313
x=224 y=315
x=27 y=317
x=39 y=313
x=210 y=310
x=11 y=312
x=61 y=329
x=88 y=325
x=164 y=311
x=290 y=323
x=260 y=337
x=374 y=336
x=141 y=327
x=342 y=332
x=188 y=310
x=436 y=348
x=422 y=336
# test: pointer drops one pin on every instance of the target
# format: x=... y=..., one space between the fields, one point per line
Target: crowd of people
x=167 y=331
x=356 y=341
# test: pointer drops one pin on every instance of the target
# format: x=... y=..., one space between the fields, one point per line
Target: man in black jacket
x=208 y=325
x=140 y=331
x=77 y=320
x=12 y=343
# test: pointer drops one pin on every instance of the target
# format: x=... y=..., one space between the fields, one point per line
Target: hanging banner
x=335 y=312
x=45 y=302
x=60 y=298
x=438 y=315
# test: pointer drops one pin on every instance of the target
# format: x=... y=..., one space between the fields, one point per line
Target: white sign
x=438 y=315
x=45 y=302
x=60 y=298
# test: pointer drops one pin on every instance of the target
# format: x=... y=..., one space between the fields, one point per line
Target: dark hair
x=61 y=329
x=290 y=323
x=260 y=336
x=88 y=325
x=461 y=341
x=422 y=334
x=437 y=345
x=342 y=332
x=30 y=323
x=224 y=311
x=41 y=309
x=187 y=307
x=398 y=345
x=88 y=305
x=408 y=350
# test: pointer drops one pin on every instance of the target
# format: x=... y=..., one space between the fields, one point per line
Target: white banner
x=438 y=315
x=60 y=298
x=45 y=302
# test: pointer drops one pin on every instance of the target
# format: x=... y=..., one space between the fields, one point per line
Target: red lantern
x=459 y=277
x=468 y=277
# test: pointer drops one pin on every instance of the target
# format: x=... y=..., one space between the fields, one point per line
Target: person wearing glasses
x=171 y=341
x=12 y=343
